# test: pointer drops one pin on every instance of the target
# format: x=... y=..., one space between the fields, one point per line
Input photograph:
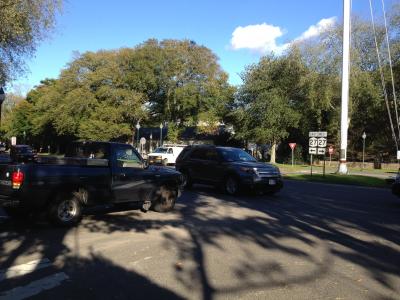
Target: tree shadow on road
x=311 y=228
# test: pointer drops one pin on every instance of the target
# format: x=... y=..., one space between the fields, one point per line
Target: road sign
x=318 y=134
x=321 y=142
x=330 y=150
x=13 y=140
x=313 y=142
x=317 y=142
x=398 y=154
x=142 y=141
x=292 y=145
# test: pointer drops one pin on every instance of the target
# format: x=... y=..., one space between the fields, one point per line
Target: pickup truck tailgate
x=6 y=171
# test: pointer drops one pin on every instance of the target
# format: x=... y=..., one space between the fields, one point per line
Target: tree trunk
x=273 y=153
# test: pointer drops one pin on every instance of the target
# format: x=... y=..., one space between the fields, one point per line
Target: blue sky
x=239 y=32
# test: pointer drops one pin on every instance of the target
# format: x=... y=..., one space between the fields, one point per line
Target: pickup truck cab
x=165 y=155
x=91 y=173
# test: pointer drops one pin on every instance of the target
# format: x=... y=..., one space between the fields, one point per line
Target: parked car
x=396 y=185
x=229 y=168
x=165 y=155
x=90 y=174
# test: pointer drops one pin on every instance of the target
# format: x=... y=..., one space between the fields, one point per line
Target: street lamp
x=2 y=98
x=151 y=142
x=161 y=127
x=364 y=136
x=137 y=137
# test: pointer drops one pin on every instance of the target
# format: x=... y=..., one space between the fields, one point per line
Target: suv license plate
x=272 y=182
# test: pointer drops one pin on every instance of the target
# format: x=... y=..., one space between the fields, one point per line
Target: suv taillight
x=17 y=179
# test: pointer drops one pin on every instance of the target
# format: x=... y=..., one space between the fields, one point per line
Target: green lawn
x=287 y=168
x=341 y=179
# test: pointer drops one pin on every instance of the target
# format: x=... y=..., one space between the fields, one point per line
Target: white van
x=165 y=155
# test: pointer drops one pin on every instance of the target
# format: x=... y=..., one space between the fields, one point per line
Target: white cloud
x=315 y=30
x=260 y=38
x=263 y=37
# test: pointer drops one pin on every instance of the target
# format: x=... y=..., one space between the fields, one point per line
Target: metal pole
x=345 y=87
x=311 y=164
x=330 y=159
x=363 y=154
x=160 y=136
x=137 y=139
x=324 y=166
x=292 y=159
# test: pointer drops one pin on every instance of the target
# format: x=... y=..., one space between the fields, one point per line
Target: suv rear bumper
x=271 y=184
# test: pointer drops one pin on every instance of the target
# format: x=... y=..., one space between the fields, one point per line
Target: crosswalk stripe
x=24 y=269
x=35 y=287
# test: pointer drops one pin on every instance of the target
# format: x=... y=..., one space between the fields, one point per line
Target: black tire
x=66 y=209
x=164 y=199
x=187 y=180
x=231 y=186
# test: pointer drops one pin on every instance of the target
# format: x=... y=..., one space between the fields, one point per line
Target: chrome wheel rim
x=231 y=186
x=67 y=210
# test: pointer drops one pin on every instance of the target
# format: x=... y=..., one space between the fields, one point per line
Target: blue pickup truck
x=91 y=173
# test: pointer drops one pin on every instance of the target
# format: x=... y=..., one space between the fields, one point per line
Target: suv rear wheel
x=187 y=180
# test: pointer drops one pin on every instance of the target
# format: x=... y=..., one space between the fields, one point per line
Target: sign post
x=292 y=146
x=317 y=145
x=330 y=150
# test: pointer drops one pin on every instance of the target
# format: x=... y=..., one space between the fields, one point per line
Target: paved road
x=312 y=241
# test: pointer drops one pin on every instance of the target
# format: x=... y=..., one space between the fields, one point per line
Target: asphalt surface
x=311 y=241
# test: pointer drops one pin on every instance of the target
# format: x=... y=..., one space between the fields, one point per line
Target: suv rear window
x=184 y=153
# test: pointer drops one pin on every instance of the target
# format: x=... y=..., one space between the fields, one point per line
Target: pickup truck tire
x=165 y=198
x=66 y=209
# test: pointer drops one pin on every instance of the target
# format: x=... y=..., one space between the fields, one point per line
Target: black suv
x=229 y=168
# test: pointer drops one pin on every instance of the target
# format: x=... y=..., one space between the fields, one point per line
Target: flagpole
x=345 y=87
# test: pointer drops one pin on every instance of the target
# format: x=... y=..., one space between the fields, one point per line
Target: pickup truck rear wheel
x=66 y=209
x=165 y=199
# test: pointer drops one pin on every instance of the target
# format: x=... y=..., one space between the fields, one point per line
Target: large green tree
x=23 y=24
x=267 y=103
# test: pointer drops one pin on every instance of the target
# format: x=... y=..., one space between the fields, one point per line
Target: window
x=169 y=151
x=127 y=158
x=233 y=154
x=211 y=154
x=199 y=154
x=88 y=150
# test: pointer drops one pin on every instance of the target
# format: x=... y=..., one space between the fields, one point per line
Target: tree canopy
x=24 y=24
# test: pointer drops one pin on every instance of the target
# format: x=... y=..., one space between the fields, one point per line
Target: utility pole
x=345 y=88
x=364 y=136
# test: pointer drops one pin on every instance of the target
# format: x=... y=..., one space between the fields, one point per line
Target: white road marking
x=35 y=287
x=24 y=269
